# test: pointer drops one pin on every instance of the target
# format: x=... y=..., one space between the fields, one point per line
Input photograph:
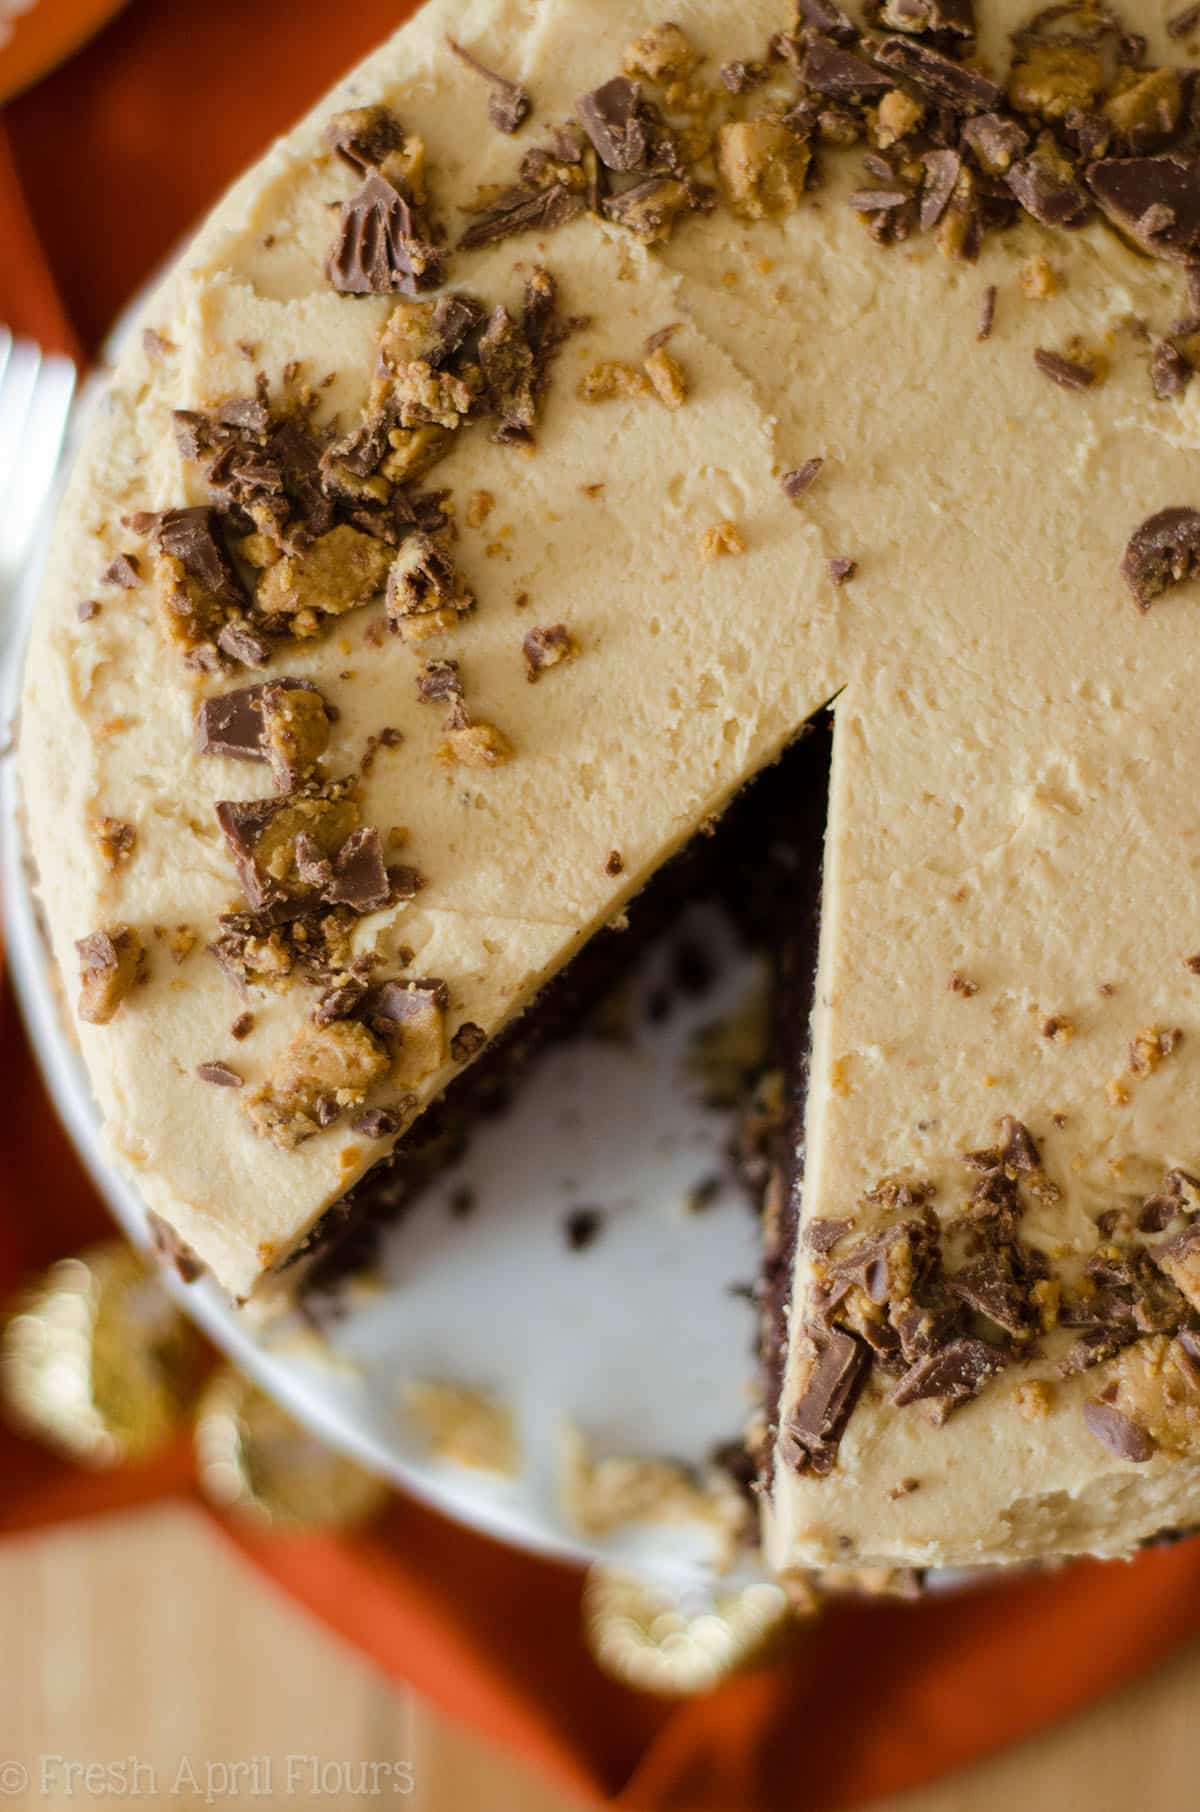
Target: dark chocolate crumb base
x=770 y=1153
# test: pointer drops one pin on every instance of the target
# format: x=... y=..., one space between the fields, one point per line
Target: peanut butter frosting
x=534 y=452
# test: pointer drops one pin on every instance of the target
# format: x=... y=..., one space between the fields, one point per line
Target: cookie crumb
x=1033 y=1399
x=1039 y=280
x=668 y=378
x=721 y=539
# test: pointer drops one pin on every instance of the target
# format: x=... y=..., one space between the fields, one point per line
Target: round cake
x=517 y=460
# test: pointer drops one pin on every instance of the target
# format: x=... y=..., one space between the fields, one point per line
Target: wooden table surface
x=147 y=1637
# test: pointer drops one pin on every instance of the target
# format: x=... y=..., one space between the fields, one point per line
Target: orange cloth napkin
x=103 y=166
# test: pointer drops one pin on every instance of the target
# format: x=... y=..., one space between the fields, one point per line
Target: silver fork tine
x=16 y=394
x=35 y=403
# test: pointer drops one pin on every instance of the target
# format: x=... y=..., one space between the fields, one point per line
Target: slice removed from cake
x=773 y=370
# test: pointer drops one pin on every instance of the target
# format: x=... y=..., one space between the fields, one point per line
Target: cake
x=518 y=459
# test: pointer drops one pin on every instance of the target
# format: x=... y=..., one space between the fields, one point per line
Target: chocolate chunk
x=377 y=1123
x=737 y=77
x=651 y=207
x=232 y=724
x=1185 y=1187
x=614 y=863
x=364 y=137
x=424 y=510
x=821 y=1236
x=359 y=879
x=192 y=433
x=823 y=16
x=828 y=69
x=545 y=648
x=1104 y=1309
x=509 y=105
x=926 y=1329
x=1163 y=551
x=878 y=166
x=242 y=1026
x=953 y=17
x=244 y=824
x=996 y=1285
x=247 y=414
x=1117 y=1431
x=1068 y=374
x=1018 y=1148
x=394 y=1003
x=1156 y=200
x=890 y=1264
x=877 y=201
x=1157 y=1212
x=193 y=537
x=1096 y=1347
x=455 y=318
x=244 y=645
x=437 y=681
x=423 y=580
x=941 y=174
x=958 y=86
x=467 y=1042
x=1043 y=191
x=173 y=1250
x=1091 y=134
x=110 y=965
x=1183 y=24
x=994 y=1198
x=358 y=454
x=268 y=722
x=809 y=1438
x=544 y=328
x=510 y=375
x=842 y=568
x=582 y=1228
x=220 y=1074
x=802 y=479
x=620 y=125
x=410 y=1018
x=987 y=313
x=89 y=608
x=524 y=210
x=342 y=1001
x=1179 y=1258
x=123 y=571
x=996 y=140
x=1170 y=372
x=378 y=251
x=1139 y=1288
x=296 y=455
x=313 y=867
x=950 y=1375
